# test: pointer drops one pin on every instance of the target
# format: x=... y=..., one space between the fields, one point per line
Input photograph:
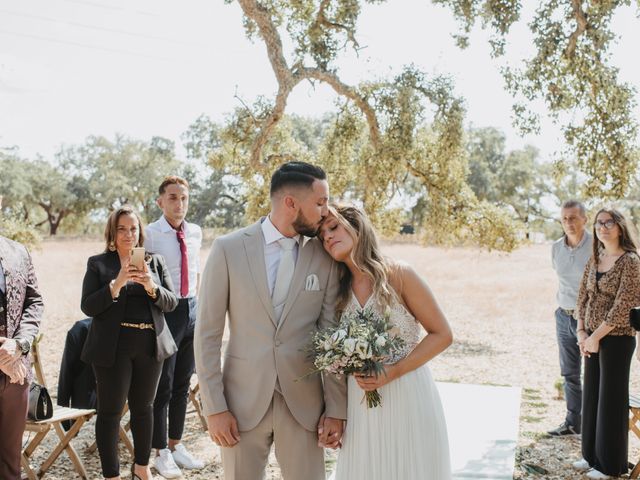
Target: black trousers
x=605 y=405
x=173 y=390
x=133 y=376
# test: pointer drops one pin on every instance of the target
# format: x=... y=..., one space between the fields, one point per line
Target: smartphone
x=137 y=257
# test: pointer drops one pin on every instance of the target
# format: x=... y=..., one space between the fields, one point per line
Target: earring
x=112 y=246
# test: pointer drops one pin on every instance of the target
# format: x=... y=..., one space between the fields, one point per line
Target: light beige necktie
x=284 y=275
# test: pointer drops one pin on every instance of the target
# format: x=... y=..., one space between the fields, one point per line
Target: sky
x=74 y=68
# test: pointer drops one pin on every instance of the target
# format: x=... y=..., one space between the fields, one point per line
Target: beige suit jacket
x=234 y=286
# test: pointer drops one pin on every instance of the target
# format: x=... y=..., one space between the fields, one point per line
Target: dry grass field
x=500 y=307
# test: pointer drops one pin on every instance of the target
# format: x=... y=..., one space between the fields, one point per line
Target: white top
x=272 y=250
x=161 y=238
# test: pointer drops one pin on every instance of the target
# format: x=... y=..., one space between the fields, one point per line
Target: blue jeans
x=570 y=364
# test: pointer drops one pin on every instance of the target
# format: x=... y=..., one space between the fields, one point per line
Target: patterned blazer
x=24 y=302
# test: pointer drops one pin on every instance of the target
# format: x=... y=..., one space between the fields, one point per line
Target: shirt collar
x=272 y=234
x=165 y=226
x=580 y=243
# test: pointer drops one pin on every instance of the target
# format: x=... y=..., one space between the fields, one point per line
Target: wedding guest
x=569 y=255
x=21 y=309
x=128 y=339
x=610 y=287
x=179 y=242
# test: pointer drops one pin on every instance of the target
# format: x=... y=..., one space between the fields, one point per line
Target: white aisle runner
x=483 y=424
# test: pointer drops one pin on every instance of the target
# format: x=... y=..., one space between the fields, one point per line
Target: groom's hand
x=223 y=429
x=330 y=432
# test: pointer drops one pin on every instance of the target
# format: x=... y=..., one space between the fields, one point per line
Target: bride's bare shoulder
x=398 y=272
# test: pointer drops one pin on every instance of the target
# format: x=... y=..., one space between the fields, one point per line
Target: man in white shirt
x=179 y=243
x=272 y=285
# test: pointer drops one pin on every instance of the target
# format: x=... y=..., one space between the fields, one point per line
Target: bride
x=405 y=437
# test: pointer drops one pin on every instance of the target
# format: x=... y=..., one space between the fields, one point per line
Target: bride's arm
x=421 y=303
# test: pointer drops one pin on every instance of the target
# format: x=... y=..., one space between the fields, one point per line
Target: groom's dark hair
x=295 y=174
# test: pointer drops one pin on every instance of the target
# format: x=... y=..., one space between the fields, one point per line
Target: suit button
x=278 y=343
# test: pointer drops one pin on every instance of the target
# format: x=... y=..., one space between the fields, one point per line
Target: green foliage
x=515 y=180
x=386 y=131
x=112 y=173
x=571 y=71
x=215 y=199
x=18 y=230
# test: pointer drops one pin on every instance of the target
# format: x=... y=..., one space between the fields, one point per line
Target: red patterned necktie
x=184 y=264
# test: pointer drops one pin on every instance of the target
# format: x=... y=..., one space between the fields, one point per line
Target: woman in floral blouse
x=610 y=288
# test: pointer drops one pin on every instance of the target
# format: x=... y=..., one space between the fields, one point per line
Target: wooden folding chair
x=194 y=398
x=43 y=427
x=634 y=426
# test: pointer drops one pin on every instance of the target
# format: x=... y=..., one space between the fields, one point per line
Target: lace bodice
x=409 y=329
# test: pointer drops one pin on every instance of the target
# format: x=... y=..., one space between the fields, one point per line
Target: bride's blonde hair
x=365 y=255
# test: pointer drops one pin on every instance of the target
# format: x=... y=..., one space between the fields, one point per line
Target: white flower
x=363 y=350
x=349 y=346
x=327 y=344
x=338 y=335
x=381 y=341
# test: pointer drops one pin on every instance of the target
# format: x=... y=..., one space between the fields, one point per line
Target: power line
x=109 y=7
x=96 y=27
x=84 y=45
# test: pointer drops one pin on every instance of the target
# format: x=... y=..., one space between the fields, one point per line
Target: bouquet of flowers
x=361 y=343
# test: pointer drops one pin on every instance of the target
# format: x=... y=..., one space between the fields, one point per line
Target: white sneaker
x=595 y=474
x=166 y=465
x=581 y=464
x=183 y=458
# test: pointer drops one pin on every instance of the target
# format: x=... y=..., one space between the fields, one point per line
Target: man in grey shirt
x=569 y=256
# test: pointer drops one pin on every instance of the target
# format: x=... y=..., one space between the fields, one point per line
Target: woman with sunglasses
x=610 y=288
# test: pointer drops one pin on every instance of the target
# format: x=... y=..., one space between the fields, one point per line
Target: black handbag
x=634 y=317
x=40 y=405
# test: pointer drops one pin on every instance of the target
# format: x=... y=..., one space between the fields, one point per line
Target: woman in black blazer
x=128 y=339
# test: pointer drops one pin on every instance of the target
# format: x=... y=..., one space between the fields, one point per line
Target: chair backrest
x=36 y=361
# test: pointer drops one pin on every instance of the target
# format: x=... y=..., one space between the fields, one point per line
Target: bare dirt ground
x=500 y=307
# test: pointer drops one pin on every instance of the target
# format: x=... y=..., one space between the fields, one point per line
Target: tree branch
x=322 y=20
x=269 y=33
x=287 y=78
x=582 y=26
x=346 y=91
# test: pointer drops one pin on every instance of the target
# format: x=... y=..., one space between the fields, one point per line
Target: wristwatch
x=23 y=345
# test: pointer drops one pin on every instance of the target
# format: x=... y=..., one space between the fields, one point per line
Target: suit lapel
x=305 y=254
x=254 y=248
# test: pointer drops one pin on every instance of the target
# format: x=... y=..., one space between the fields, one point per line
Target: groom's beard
x=303 y=227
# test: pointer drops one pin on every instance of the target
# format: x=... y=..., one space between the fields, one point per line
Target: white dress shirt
x=272 y=250
x=161 y=237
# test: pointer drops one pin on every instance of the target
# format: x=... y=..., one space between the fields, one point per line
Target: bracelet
x=153 y=293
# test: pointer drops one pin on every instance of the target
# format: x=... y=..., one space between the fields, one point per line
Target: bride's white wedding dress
x=406 y=437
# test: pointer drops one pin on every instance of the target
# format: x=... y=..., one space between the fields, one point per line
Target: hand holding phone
x=137 y=258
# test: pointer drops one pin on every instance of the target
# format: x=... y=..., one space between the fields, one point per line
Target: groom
x=277 y=285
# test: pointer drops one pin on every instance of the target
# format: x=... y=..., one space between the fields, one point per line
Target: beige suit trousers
x=296 y=448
